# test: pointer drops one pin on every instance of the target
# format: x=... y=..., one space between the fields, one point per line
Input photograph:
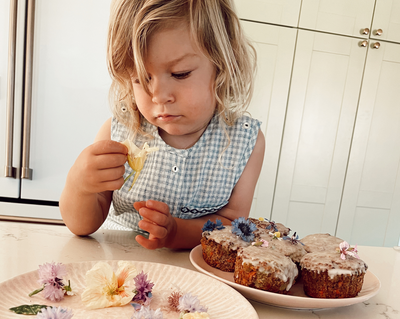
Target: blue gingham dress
x=193 y=182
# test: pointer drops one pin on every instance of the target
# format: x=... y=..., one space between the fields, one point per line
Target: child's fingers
x=155 y=230
x=108 y=147
x=158 y=206
x=148 y=243
x=139 y=205
x=154 y=216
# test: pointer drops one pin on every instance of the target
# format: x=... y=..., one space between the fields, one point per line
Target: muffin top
x=321 y=242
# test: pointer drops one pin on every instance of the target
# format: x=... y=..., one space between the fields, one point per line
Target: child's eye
x=181 y=76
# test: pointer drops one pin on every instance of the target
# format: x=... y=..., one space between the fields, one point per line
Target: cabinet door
x=275 y=49
x=70 y=89
x=282 y=12
x=323 y=98
x=386 y=24
x=370 y=212
x=339 y=16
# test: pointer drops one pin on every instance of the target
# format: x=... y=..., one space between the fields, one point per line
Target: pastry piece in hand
x=136 y=158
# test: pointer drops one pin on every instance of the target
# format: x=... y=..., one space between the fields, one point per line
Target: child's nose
x=161 y=92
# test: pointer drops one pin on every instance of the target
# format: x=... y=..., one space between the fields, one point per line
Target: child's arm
x=167 y=231
x=87 y=194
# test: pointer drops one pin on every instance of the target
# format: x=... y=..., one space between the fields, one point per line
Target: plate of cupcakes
x=261 y=260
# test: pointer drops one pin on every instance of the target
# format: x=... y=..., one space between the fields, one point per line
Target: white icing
x=226 y=238
x=281 y=266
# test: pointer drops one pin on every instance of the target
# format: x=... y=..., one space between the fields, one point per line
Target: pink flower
x=51 y=273
x=345 y=249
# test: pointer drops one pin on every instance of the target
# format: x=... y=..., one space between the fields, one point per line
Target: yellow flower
x=196 y=315
x=104 y=288
x=261 y=219
x=136 y=158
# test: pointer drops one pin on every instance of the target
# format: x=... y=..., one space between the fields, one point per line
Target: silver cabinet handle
x=9 y=170
x=26 y=172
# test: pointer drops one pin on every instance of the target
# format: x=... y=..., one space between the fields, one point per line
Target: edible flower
x=51 y=277
x=55 y=313
x=277 y=235
x=293 y=239
x=261 y=243
x=143 y=289
x=136 y=158
x=189 y=303
x=210 y=226
x=243 y=228
x=272 y=225
x=345 y=249
x=147 y=313
x=104 y=288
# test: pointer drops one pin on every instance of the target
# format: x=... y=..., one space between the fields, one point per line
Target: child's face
x=181 y=82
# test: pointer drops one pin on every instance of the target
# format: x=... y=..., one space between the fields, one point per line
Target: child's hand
x=158 y=221
x=100 y=167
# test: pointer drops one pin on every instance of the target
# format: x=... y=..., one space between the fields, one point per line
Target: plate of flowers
x=90 y=284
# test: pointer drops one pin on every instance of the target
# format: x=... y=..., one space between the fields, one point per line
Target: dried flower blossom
x=293 y=239
x=189 y=303
x=277 y=235
x=136 y=158
x=51 y=277
x=243 y=228
x=173 y=301
x=55 y=313
x=104 y=288
x=260 y=243
x=345 y=249
x=210 y=226
x=147 y=313
x=143 y=289
x=195 y=315
x=272 y=226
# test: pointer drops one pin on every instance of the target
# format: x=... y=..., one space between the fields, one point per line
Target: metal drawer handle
x=26 y=172
x=9 y=170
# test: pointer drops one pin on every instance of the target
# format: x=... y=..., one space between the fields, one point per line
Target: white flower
x=54 y=313
x=104 y=288
x=137 y=157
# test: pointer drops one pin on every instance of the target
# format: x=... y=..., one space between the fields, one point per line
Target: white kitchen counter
x=23 y=247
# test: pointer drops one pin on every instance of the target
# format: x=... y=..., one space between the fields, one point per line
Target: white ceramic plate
x=296 y=299
x=222 y=301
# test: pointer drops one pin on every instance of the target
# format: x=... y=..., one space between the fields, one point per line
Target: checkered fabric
x=193 y=182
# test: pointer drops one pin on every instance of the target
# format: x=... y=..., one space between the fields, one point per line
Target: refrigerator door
x=12 y=28
x=69 y=89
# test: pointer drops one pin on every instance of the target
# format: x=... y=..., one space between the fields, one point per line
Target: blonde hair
x=214 y=27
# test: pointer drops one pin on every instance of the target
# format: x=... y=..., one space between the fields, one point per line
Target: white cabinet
x=281 y=12
x=70 y=85
x=322 y=104
x=275 y=49
x=339 y=16
x=386 y=23
x=370 y=211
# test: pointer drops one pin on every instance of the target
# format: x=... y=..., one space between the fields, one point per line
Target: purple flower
x=51 y=273
x=50 y=276
x=293 y=239
x=243 y=228
x=210 y=226
x=189 y=303
x=143 y=289
x=272 y=226
x=54 y=313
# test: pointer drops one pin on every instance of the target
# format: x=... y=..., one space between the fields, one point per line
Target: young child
x=182 y=75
